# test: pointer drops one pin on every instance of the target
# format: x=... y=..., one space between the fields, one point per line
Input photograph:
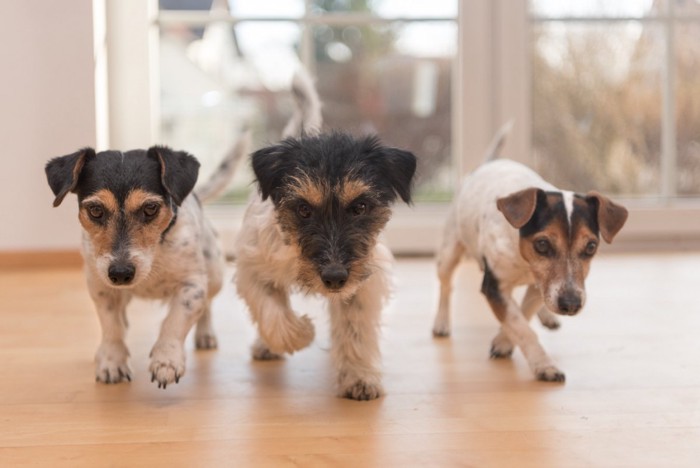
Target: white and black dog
x=144 y=235
x=523 y=231
x=323 y=200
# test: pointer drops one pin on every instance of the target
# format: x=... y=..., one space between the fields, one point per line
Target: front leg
x=517 y=329
x=355 y=340
x=281 y=330
x=168 y=353
x=112 y=356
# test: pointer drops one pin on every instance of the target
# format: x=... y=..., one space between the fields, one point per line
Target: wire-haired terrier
x=323 y=200
x=145 y=235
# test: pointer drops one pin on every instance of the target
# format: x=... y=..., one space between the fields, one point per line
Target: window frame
x=493 y=45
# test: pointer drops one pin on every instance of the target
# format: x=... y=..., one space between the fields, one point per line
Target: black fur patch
x=332 y=157
x=490 y=287
x=550 y=207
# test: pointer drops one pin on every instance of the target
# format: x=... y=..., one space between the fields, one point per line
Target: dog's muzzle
x=334 y=276
x=569 y=303
x=121 y=273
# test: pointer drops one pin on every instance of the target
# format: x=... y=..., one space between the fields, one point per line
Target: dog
x=313 y=227
x=523 y=231
x=144 y=235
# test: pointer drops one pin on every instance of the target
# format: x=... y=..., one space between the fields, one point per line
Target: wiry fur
x=171 y=255
x=313 y=227
x=523 y=231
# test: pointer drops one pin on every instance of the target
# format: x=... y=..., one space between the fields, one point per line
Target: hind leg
x=448 y=258
x=548 y=319
x=204 y=336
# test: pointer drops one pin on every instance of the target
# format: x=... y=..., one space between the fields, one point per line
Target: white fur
x=476 y=228
x=267 y=273
x=175 y=270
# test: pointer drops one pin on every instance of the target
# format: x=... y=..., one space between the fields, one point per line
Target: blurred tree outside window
x=598 y=74
x=381 y=66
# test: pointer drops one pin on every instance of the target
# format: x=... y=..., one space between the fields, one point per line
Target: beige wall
x=47 y=108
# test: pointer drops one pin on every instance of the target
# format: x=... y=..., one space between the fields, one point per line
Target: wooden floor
x=632 y=396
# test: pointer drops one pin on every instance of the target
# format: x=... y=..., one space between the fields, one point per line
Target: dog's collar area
x=173 y=208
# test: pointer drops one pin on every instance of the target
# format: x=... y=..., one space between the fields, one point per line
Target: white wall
x=47 y=108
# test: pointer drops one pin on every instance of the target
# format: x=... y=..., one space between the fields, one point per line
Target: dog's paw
x=261 y=352
x=167 y=362
x=302 y=335
x=501 y=347
x=549 y=374
x=289 y=336
x=362 y=391
x=205 y=340
x=441 y=330
x=111 y=363
x=549 y=320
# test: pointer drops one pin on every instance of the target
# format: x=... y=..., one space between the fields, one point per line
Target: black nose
x=569 y=303
x=121 y=273
x=334 y=276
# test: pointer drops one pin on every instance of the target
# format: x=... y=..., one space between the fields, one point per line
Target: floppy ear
x=611 y=216
x=399 y=169
x=63 y=172
x=271 y=165
x=178 y=171
x=519 y=207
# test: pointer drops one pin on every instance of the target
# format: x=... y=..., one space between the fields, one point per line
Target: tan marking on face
x=145 y=235
x=303 y=187
x=350 y=189
x=567 y=268
x=101 y=235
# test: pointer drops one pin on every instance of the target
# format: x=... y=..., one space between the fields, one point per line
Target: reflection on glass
x=372 y=80
x=688 y=107
x=597 y=106
x=595 y=8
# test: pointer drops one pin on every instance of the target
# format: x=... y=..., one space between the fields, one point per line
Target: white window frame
x=492 y=85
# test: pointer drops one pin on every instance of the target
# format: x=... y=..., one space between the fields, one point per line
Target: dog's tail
x=496 y=144
x=218 y=182
x=307 y=118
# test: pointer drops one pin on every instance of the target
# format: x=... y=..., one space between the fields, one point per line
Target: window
x=616 y=102
x=227 y=65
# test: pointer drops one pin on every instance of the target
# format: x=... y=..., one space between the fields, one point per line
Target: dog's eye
x=304 y=210
x=591 y=248
x=96 y=211
x=543 y=247
x=359 y=208
x=151 y=209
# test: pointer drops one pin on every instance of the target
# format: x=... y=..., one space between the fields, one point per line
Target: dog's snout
x=334 y=276
x=121 y=273
x=569 y=303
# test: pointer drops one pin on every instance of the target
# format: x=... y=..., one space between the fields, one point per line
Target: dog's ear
x=178 y=171
x=519 y=207
x=611 y=216
x=399 y=169
x=63 y=172
x=271 y=165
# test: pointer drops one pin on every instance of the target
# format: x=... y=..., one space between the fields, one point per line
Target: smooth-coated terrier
x=144 y=235
x=524 y=231
x=323 y=200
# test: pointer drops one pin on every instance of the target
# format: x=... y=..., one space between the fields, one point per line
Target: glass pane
x=594 y=8
x=390 y=8
x=387 y=80
x=219 y=79
x=688 y=107
x=267 y=8
x=597 y=106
